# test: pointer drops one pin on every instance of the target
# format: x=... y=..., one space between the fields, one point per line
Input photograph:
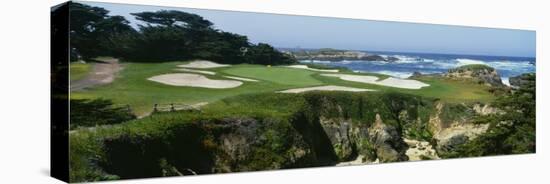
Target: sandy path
x=194 y=80
x=101 y=73
x=390 y=81
x=325 y=88
x=202 y=64
x=312 y=69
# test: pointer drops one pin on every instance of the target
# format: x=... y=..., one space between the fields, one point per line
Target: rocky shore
x=338 y=55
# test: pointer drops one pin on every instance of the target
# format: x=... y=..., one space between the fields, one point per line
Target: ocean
x=425 y=63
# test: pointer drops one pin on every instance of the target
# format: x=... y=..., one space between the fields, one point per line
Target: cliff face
x=327 y=130
x=450 y=132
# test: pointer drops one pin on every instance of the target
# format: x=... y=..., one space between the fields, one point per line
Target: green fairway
x=132 y=87
x=79 y=70
x=277 y=75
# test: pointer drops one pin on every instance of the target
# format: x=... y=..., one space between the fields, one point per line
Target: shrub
x=87 y=112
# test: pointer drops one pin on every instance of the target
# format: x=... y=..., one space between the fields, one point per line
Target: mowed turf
x=79 y=70
x=132 y=87
x=277 y=75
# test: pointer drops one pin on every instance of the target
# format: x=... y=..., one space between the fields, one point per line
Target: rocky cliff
x=328 y=129
x=477 y=72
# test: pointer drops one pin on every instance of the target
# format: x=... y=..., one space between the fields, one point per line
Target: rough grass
x=473 y=67
x=79 y=70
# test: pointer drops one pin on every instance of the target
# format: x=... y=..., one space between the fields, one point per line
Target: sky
x=289 y=31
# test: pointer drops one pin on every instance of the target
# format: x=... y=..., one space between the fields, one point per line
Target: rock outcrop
x=338 y=55
x=387 y=141
x=450 y=133
x=330 y=129
x=520 y=80
x=477 y=72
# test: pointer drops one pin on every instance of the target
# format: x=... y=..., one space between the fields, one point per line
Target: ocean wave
x=523 y=66
x=462 y=62
x=505 y=81
x=315 y=61
x=406 y=59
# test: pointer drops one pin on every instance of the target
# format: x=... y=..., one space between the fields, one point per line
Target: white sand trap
x=325 y=88
x=194 y=80
x=390 y=81
x=196 y=71
x=202 y=64
x=403 y=83
x=241 y=78
x=312 y=69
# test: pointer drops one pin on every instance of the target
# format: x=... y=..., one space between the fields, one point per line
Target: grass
x=132 y=87
x=276 y=75
x=79 y=70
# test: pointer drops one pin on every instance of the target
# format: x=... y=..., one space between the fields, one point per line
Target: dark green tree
x=265 y=54
x=94 y=33
x=165 y=35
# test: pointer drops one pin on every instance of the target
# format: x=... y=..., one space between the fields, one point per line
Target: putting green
x=278 y=75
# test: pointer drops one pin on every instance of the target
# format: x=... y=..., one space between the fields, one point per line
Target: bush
x=87 y=113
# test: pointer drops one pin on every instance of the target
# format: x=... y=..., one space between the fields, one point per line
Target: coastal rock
x=485 y=109
x=477 y=72
x=420 y=150
x=520 y=80
x=347 y=139
x=448 y=133
x=338 y=55
x=389 y=145
x=373 y=58
x=416 y=74
x=449 y=138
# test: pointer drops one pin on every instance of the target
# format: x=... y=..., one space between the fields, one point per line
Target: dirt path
x=103 y=72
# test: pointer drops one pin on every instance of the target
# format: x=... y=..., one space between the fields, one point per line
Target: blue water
x=435 y=63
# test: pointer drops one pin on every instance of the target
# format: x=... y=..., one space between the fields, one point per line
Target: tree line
x=165 y=35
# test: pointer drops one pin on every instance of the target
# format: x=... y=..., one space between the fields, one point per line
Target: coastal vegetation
x=511 y=131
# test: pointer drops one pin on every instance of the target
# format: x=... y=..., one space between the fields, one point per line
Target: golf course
x=132 y=87
x=172 y=94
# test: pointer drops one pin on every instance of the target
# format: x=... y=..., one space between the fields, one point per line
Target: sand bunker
x=194 y=80
x=241 y=78
x=390 y=81
x=325 y=88
x=196 y=71
x=202 y=64
x=312 y=69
